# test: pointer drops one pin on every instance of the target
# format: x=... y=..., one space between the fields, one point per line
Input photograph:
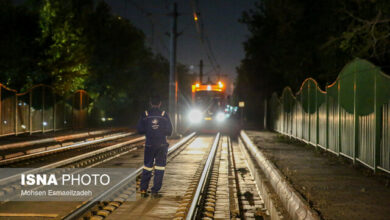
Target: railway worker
x=156 y=126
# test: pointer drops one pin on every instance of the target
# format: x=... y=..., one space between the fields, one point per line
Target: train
x=209 y=110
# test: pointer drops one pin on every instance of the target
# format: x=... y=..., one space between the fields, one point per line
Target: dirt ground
x=332 y=185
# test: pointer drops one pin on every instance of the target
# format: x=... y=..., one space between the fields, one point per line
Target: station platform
x=332 y=186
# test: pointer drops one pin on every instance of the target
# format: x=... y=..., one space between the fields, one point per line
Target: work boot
x=156 y=195
x=144 y=194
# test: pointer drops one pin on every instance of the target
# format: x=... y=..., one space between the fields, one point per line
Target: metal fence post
x=87 y=120
x=378 y=121
x=296 y=118
x=64 y=125
x=302 y=115
x=1 y=112
x=327 y=116
x=73 y=121
x=81 y=110
x=54 y=113
x=339 y=116
x=291 y=117
x=317 y=117
x=356 y=119
x=16 y=115
x=30 y=112
x=282 y=114
x=265 y=113
x=43 y=109
x=308 y=111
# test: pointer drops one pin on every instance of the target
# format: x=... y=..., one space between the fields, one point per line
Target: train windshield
x=209 y=100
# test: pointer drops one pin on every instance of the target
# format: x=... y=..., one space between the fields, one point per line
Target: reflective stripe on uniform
x=146 y=113
x=148 y=168
x=163 y=113
x=159 y=168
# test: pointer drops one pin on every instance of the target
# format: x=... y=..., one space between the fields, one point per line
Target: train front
x=207 y=113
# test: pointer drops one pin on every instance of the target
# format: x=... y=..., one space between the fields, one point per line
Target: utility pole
x=201 y=71
x=172 y=73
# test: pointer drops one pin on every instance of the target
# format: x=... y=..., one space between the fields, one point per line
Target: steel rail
x=51 y=140
x=203 y=179
x=73 y=146
x=15 y=177
x=89 y=204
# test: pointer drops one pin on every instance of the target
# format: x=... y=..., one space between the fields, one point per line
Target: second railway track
x=41 y=152
x=84 y=158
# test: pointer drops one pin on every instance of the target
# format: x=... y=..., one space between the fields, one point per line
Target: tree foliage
x=65 y=57
x=82 y=44
x=291 y=40
x=19 y=51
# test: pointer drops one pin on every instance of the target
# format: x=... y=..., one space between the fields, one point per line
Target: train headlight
x=220 y=116
x=195 y=116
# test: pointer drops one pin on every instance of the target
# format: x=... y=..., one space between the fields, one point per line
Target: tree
x=367 y=33
x=65 y=58
x=124 y=71
x=82 y=44
x=294 y=39
x=19 y=51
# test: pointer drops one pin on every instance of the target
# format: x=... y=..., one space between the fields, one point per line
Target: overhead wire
x=206 y=44
x=160 y=44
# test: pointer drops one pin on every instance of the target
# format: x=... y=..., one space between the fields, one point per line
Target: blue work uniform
x=156 y=126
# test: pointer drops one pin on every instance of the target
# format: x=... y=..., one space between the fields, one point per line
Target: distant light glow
x=197 y=85
x=5 y=122
x=23 y=126
x=208 y=88
x=44 y=123
x=103 y=119
x=195 y=116
x=220 y=84
x=220 y=116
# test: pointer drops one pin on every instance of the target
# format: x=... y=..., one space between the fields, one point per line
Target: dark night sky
x=221 y=24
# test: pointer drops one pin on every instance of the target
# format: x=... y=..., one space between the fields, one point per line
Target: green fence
x=351 y=118
x=41 y=110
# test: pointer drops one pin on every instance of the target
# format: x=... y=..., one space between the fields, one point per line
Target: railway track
x=92 y=157
x=207 y=177
x=24 y=157
x=220 y=192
